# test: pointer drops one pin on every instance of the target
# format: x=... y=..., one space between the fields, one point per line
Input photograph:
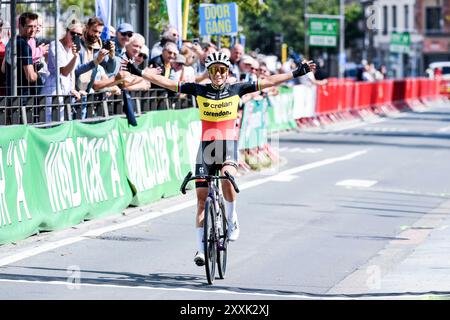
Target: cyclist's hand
x=304 y=68
x=311 y=64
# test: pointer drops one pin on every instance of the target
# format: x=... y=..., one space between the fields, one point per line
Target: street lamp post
x=342 y=39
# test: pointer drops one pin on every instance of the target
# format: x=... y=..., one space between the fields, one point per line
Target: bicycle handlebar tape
x=231 y=178
x=185 y=182
x=301 y=70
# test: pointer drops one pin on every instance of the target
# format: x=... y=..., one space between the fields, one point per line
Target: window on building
x=385 y=20
x=406 y=17
x=433 y=18
x=394 y=18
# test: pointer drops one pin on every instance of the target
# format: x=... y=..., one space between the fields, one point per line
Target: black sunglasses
x=125 y=34
x=142 y=55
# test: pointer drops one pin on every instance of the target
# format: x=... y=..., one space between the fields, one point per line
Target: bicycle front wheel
x=222 y=242
x=209 y=241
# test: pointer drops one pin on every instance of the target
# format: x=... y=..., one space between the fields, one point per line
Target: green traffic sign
x=323 y=32
x=400 y=42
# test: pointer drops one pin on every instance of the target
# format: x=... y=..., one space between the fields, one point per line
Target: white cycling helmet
x=217 y=57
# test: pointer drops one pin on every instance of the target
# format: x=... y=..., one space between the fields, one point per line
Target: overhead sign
x=400 y=42
x=220 y=19
x=323 y=32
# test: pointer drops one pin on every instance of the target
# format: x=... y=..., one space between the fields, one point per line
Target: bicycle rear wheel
x=209 y=241
x=222 y=241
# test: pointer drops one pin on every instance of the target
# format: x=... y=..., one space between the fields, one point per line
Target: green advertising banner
x=80 y=169
x=281 y=111
x=253 y=131
x=57 y=177
x=159 y=152
x=17 y=217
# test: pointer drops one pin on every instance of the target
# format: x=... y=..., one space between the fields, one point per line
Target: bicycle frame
x=215 y=231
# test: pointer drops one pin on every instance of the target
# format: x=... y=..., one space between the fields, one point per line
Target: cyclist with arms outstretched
x=218 y=104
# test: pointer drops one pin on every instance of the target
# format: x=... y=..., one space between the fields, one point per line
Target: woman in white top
x=67 y=60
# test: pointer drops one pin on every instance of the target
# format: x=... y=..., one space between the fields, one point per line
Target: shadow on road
x=194 y=282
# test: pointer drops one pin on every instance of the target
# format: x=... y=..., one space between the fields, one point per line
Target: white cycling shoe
x=233 y=230
x=199 y=259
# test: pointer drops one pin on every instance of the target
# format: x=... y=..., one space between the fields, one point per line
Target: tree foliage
x=287 y=18
x=87 y=7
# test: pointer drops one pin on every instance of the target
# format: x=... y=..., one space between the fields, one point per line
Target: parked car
x=441 y=70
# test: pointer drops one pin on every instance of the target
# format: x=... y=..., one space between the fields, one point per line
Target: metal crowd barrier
x=97 y=106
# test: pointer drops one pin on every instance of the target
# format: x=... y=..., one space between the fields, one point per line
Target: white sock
x=231 y=210
x=201 y=249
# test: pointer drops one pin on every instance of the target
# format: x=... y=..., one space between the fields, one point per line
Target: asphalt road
x=340 y=197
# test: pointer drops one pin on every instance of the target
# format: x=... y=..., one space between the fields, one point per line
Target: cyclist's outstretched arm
x=150 y=74
x=278 y=79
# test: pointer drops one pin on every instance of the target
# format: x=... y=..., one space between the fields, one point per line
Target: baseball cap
x=180 y=59
x=145 y=50
x=125 y=27
x=246 y=59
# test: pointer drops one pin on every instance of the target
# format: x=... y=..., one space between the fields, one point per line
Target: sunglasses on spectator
x=171 y=52
x=127 y=34
x=75 y=34
x=142 y=55
x=214 y=70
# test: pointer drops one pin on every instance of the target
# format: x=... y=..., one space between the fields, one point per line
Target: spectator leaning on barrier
x=208 y=48
x=124 y=33
x=236 y=54
x=264 y=73
x=245 y=68
x=367 y=74
x=133 y=49
x=39 y=48
x=377 y=73
x=141 y=58
x=188 y=52
x=68 y=53
x=169 y=34
x=163 y=61
x=92 y=54
x=181 y=71
x=383 y=71
x=26 y=74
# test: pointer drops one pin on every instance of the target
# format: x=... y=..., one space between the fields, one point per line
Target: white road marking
x=224 y=291
x=355 y=125
x=444 y=129
x=93 y=233
x=283 y=178
x=300 y=150
x=302 y=168
x=356 y=183
x=152 y=215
